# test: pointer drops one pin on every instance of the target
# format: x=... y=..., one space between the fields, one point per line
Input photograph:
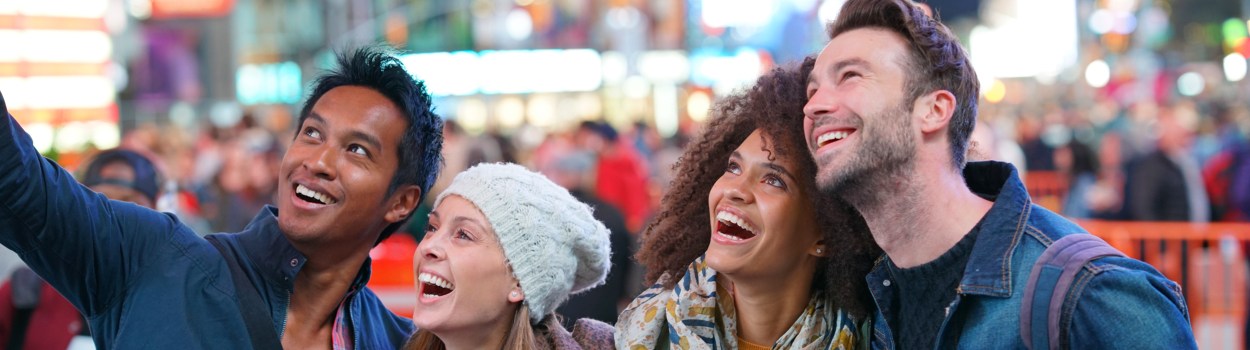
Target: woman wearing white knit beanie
x=504 y=247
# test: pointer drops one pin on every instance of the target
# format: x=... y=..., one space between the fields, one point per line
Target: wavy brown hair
x=936 y=61
x=682 y=232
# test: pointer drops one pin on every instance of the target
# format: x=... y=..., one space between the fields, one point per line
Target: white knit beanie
x=551 y=240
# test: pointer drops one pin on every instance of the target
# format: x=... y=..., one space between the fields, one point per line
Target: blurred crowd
x=1181 y=160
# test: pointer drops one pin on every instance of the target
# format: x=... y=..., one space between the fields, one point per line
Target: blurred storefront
x=58 y=74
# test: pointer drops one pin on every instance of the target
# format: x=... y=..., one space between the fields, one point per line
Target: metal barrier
x=1207 y=259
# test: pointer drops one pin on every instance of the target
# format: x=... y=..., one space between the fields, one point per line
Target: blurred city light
x=734 y=13
x=41 y=134
x=60 y=8
x=507 y=72
x=698 y=105
x=666 y=118
x=519 y=24
x=996 y=92
x=471 y=114
x=1234 y=67
x=1038 y=39
x=725 y=72
x=510 y=112
x=1190 y=84
x=829 y=9
x=438 y=70
x=1097 y=74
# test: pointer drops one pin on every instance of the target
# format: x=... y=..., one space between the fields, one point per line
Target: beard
x=886 y=150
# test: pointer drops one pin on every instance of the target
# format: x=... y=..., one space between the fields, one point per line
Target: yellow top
x=743 y=344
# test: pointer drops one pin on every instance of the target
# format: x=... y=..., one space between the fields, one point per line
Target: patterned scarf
x=699 y=313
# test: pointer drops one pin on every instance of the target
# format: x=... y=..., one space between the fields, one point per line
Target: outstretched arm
x=88 y=247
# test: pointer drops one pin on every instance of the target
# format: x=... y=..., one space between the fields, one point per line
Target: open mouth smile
x=309 y=195
x=832 y=136
x=434 y=287
x=733 y=228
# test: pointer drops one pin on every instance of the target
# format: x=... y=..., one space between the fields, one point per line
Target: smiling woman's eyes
x=733 y=168
x=462 y=234
x=775 y=181
x=358 y=149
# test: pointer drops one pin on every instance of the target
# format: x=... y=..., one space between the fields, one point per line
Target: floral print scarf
x=699 y=313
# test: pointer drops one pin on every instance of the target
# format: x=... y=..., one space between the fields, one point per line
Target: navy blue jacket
x=143 y=279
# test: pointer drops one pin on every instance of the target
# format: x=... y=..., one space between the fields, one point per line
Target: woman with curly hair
x=746 y=253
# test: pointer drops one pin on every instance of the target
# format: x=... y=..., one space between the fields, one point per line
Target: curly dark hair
x=681 y=232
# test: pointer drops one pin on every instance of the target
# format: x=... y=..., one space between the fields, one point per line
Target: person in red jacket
x=620 y=174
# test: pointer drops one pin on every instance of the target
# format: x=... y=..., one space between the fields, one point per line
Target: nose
x=323 y=162
x=737 y=193
x=819 y=104
x=429 y=249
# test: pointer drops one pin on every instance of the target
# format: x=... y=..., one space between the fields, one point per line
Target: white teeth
x=831 y=136
x=729 y=236
x=435 y=280
x=731 y=218
x=324 y=198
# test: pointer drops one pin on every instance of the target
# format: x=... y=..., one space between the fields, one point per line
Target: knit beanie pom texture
x=551 y=240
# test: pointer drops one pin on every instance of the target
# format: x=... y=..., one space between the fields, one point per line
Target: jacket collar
x=989 y=268
x=274 y=256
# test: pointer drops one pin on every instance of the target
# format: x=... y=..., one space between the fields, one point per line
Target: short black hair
x=421 y=148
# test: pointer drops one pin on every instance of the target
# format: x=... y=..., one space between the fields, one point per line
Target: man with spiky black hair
x=366 y=150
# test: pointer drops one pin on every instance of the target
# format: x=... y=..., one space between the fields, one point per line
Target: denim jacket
x=143 y=279
x=1114 y=303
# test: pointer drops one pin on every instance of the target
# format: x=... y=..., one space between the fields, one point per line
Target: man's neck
x=919 y=214
x=319 y=289
x=767 y=308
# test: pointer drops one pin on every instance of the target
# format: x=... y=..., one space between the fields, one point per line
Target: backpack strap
x=255 y=312
x=1049 y=282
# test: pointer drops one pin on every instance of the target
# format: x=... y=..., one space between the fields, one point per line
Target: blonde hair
x=522 y=335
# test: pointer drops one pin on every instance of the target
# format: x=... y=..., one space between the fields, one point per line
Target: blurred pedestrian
x=1166 y=184
x=621 y=175
x=367 y=149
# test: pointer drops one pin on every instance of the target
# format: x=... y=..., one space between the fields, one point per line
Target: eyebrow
x=372 y=141
x=770 y=165
x=457 y=219
x=316 y=117
x=856 y=61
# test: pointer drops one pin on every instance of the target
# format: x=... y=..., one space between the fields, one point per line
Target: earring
x=820 y=250
x=514 y=294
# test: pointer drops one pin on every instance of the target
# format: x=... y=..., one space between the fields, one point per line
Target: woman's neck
x=491 y=337
x=767 y=308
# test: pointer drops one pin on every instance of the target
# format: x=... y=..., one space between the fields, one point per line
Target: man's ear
x=935 y=110
x=403 y=202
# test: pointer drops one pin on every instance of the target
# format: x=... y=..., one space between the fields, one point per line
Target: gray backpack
x=1049 y=282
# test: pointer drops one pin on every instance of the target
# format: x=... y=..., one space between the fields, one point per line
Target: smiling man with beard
x=366 y=150
x=892 y=102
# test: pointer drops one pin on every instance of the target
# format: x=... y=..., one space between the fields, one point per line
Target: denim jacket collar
x=274 y=256
x=989 y=268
